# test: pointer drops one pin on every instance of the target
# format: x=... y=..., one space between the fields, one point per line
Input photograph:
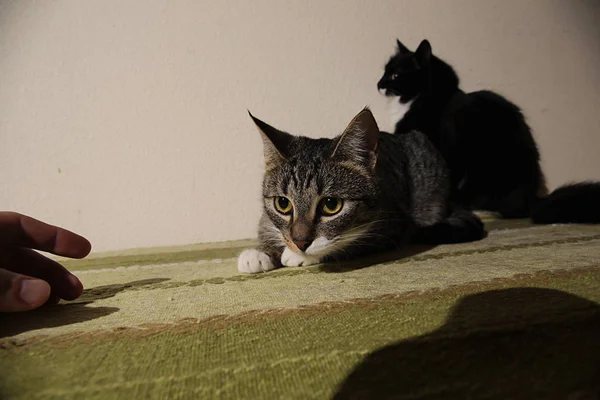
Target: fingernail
x=34 y=291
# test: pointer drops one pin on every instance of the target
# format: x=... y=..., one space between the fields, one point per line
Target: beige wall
x=126 y=120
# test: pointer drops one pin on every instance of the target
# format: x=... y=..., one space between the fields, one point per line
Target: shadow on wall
x=523 y=343
x=585 y=15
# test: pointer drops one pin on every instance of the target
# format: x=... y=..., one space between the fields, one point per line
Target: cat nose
x=302 y=244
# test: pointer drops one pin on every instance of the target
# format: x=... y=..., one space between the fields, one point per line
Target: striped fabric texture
x=514 y=316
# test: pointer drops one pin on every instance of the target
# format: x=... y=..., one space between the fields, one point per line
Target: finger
x=21 y=230
x=28 y=262
x=20 y=292
x=52 y=300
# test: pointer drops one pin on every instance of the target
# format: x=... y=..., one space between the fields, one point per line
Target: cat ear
x=423 y=52
x=275 y=142
x=402 y=48
x=359 y=141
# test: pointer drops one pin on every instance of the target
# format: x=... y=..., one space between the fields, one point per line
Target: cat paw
x=252 y=261
x=292 y=259
x=470 y=226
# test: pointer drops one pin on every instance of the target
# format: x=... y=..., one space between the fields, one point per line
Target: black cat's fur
x=485 y=140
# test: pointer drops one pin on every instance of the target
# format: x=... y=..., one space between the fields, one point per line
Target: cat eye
x=394 y=77
x=331 y=205
x=283 y=205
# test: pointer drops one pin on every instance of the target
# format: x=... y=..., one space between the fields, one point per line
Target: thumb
x=21 y=292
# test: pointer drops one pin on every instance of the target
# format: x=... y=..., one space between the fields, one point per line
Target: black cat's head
x=407 y=73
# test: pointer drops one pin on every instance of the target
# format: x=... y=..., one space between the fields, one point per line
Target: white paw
x=252 y=261
x=291 y=259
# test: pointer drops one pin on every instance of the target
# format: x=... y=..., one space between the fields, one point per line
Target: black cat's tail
x=571 y=203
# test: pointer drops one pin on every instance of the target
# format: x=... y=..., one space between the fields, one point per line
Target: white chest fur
x=397 y=110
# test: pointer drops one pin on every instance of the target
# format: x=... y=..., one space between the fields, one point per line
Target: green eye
x=331 y=205
x=283 y=205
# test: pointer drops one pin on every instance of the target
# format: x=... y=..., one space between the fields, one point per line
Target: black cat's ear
x=402 y=48
x=275 y=142
x=423 y=52
x=358 y=142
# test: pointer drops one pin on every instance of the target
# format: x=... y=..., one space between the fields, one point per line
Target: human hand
x=27 y=278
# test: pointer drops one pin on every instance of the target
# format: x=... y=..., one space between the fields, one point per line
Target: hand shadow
x=523 y=343
x=50 y=317
x=368 y=261
x=106 y=291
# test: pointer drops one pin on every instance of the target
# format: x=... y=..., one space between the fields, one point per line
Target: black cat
x=488 y=146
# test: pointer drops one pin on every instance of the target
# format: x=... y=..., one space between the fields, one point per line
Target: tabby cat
x=489 y=149
x=358 y=193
